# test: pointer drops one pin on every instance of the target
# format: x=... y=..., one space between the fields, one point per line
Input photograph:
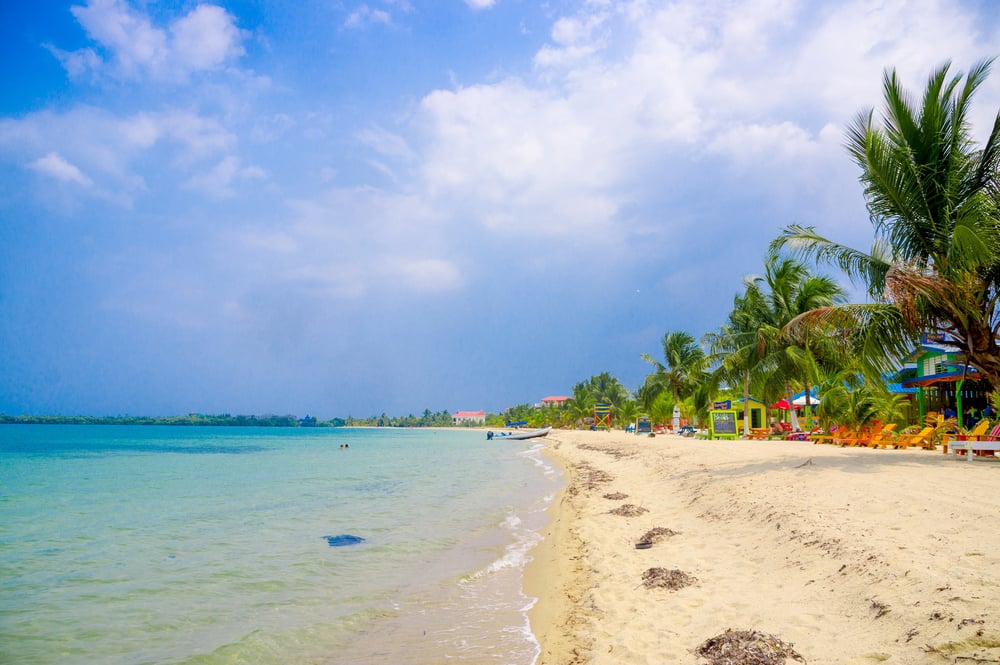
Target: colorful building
x=944 y=384
x=469 y=418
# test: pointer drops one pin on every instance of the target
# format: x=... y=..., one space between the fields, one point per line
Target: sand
x=848 y=555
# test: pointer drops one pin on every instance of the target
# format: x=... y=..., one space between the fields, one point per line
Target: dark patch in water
x=343 y=540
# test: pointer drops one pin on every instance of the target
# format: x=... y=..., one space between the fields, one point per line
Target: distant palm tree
x=683 y=367
x=785 y=292
x=628 y=411
x=735 y=352
x=934 y=199
x=581 y=404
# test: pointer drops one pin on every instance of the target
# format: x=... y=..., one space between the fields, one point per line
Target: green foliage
x=224 y=420
x=681 y=372
x=933 y=196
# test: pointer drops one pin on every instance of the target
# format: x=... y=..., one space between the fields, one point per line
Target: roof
x=555 y=398
x=943 y=377
x=469 y=414
x=931 y=347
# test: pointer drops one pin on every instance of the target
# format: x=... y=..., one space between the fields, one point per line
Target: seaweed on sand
x=629 y=510
x=588 y=478
x=661 y=578
x=747 y=647
x=656 y=534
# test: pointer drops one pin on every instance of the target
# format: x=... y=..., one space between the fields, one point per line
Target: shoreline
x=848 y=555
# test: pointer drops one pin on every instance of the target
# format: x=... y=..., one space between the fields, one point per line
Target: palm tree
x=684 y=367
x=735 y=352
x=608 y=389
x=628 y=411
x=934 y=200
x=581 y=404
x=786 y=291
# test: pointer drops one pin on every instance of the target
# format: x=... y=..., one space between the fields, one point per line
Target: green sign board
x=723 y=424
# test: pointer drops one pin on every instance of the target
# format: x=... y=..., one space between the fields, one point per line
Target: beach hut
x=944 y=383
x=758 y=413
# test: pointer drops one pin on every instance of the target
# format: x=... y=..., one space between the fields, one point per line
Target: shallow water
x=208 y=545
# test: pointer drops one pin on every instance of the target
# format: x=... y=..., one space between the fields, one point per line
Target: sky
x=334 y=207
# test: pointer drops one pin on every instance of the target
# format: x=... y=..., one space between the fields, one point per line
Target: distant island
x=428 y=419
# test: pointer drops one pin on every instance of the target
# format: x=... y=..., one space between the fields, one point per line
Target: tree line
x=933 y=271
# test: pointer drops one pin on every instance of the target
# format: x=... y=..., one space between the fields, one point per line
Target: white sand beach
x=848 y=555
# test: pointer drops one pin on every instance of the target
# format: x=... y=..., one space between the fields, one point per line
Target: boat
x=519 y=436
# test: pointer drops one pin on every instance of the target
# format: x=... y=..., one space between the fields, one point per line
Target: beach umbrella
x=781 y=404
x=801 y=400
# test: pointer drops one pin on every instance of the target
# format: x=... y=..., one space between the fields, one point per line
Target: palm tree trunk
x=808 y=411
x=791 y=406
x=746 y=405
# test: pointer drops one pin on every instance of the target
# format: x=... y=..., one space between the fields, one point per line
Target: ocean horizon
x=209 y=545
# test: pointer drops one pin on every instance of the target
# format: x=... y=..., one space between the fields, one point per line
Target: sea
x=125 y=545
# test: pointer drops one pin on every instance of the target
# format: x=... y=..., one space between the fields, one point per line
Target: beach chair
x=978 y=432
x=884 y=437
x=921 y=439
x=820 y=437
x=863 y=436
x=846 y=437
x=985 y=445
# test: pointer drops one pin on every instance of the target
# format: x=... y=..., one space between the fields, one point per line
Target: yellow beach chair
x=884 y=437
x=921 y=439
x=977 y=433
x=821 y=437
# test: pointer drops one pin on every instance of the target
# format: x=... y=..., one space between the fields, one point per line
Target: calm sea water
x=135 y=545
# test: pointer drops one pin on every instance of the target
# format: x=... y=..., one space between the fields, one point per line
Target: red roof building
x=463 y=417
x=554 y=400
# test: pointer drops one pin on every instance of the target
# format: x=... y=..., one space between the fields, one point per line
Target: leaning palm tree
x=933 y=197
x=682 y=370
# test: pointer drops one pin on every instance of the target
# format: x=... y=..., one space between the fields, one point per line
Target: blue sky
x=343 y=208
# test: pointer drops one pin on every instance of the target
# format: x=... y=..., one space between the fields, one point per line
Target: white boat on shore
x=518 y=436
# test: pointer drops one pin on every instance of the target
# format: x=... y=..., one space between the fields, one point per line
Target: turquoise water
x=129 y=545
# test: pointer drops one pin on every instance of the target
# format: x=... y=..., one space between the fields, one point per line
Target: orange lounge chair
x=884 y=437
x=848 y=437
x=921 y=439
x=759 y=433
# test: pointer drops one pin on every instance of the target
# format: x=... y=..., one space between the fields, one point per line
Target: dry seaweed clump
x=629 y=510
x=589 y=478
x=656 y=534
x=747 y=647
x=661 y=578
x=616 y=496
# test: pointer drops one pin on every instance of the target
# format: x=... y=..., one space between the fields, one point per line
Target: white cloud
x=480 y=4
x=364 y=16
x=218 y=181
x=423 y=275
x=204 y=39
x=636 y=99
x=386 y=143
x=55 y=166
x=111 y=150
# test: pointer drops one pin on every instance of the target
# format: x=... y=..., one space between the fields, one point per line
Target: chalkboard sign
x=724 y=422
